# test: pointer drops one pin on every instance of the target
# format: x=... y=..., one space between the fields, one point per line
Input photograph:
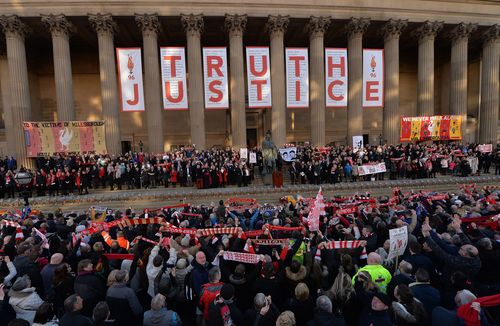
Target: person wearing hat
x=223 y=310
x=377 y=312
x=24 y=299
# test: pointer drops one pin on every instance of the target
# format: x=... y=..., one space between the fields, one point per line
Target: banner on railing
x=438 y=127
x=68 y=137
x=485 y=148
x=371 y=168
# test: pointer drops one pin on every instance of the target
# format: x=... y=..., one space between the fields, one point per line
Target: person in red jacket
x=209 y=291
x=173 y=177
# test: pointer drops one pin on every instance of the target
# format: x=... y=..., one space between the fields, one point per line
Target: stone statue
x=269 y=154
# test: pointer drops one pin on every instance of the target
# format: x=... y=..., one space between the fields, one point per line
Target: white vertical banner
x=259 y=77
x=173 y=78
x=215 y=78
x=130 y=73
x=297 y=77
x=373 y=78
x=336 y=77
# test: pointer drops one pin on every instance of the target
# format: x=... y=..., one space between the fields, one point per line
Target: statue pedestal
x=267 y=179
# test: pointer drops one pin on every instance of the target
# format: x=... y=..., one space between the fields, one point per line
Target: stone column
x=193 y=25
x=391 y=116
x=15 y=32
x=60 y=28
x=150 y=27
x=317 y=27
x=276 y=25
x=6 y=100
x=458 y=79
x=355 y=29
x=235 y=24
x=105 y=28
x=490 y=70
x=426 y=34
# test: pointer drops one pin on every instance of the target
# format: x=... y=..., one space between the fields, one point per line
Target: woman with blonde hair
x=112 y=277
x=343 y=296
x=287 y=318
x=301 y=304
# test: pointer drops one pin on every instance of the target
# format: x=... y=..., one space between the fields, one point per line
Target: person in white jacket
x=24 y=300
x=155 y=265
x=10 y=267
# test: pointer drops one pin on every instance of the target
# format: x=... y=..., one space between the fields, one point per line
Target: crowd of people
x=240 y=263
x=64 y=175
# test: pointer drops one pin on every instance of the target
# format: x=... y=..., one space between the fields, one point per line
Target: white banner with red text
x=258 y=77
x=130 y=74
x=215 y=78
x=371 y=168
x=173 y=78
x=336 y=77
x=373 y=78
x=297 y=77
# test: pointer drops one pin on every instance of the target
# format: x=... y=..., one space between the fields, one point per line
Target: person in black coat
x=224 y=308
x=25 y=265
x=264 y=312
x=418 y=260
x=73 y=317
x=425 y=292
x=490 y=260
x=301 y=304
x=375 y=305
x=404 y=277
x=90 y=287
x=323 y=315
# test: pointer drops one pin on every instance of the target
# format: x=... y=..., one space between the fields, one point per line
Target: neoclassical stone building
x=57 y=62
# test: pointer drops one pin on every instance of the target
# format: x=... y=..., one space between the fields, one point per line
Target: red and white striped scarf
x=344 y=244
x=8 y=223
x=175 y=230
x=241 y=257
x=223 y=230
x=270 y=242
x=126 y=222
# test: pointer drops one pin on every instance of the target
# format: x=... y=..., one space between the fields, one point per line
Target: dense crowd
x=249 y=264
x=63 y=175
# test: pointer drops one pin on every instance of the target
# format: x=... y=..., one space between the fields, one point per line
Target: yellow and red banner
x=437 y=127
x=68 y=137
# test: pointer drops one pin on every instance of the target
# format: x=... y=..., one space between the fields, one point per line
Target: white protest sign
x=253 y=158
x=243 y=153
x=399 y=239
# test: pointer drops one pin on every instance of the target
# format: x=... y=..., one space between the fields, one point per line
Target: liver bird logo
x=130 y=65
x=65 y=137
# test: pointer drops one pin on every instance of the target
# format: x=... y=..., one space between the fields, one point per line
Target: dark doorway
x=366 y=139
x=126 y=146
x=251 y=138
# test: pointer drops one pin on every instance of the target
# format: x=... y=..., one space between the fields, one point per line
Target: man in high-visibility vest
x=120 y=238
x=380 y=275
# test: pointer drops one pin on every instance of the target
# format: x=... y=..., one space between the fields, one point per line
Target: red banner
x=439 y=127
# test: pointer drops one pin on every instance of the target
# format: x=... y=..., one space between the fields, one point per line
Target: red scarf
x=470 y=316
